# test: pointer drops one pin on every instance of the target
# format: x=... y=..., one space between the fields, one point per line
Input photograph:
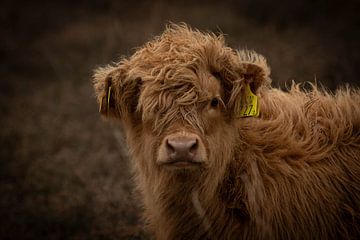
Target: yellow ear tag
x=250 y=107
x=108 y=100
x=101 y=103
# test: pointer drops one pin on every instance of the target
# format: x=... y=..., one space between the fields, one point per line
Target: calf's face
x=178 y=98
x=183 y=123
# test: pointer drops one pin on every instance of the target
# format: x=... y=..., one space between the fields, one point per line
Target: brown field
x=64 y=171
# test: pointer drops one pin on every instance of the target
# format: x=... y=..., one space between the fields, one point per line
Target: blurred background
x=64 y=172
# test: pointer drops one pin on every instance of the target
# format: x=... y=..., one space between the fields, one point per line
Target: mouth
x=182 y=164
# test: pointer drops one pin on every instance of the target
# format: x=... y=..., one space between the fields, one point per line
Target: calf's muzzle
x=181 y=150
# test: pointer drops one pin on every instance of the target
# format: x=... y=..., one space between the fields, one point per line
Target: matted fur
x=291 y=173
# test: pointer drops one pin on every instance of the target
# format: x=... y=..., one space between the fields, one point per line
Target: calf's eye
x=214 y=102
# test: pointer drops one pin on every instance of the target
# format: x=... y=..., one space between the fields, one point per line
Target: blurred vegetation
x=64 y=173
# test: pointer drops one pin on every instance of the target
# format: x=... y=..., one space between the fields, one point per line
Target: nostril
x=169 y=146
x=193 y=146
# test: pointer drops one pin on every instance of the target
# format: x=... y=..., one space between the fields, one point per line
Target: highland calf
x=219 y=154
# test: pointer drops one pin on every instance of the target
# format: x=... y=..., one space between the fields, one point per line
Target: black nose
x=181 y=149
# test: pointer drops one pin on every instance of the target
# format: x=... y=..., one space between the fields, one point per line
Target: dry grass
x=64 y=172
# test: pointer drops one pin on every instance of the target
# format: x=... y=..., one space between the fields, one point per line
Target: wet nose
x=181 y=149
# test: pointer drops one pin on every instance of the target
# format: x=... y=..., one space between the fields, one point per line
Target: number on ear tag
x=250 y=107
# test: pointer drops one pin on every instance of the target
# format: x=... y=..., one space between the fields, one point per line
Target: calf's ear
x=115 y=91
x=252 y=72
x=253 y=69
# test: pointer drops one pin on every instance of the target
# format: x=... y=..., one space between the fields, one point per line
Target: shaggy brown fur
x=291 y=173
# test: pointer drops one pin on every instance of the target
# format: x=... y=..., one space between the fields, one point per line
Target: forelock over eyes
x=165 y=103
